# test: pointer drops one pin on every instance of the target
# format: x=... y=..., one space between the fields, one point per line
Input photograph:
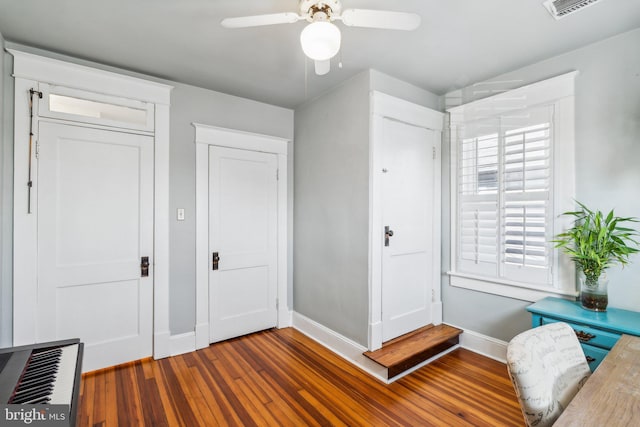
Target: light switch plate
x=181 y=214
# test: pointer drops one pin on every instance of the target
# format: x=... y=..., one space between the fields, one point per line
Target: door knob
x=387 y=233
x=144 y=266
x=215 y=259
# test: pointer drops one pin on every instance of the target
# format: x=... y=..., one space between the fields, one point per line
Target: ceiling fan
x=320 y=39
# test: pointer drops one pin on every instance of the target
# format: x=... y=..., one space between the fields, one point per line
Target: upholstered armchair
x=547 y=367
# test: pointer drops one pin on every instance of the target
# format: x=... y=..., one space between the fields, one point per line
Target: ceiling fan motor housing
x=329 y=8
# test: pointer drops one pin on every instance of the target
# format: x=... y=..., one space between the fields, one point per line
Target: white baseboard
x=436 y=313
x=183 y=343
x=161 y=345
x=202 y=335
x=285 y=318
x=342 y=346
x=353 y=352
x=375 y=335
x=173 y=345
x=482 y=344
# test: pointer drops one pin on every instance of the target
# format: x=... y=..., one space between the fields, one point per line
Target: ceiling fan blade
x=260 y=20
x=385 y=19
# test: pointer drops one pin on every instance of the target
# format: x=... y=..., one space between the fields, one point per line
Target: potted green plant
x=595 y=243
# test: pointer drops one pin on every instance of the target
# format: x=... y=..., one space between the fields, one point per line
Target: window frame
x=558 y=93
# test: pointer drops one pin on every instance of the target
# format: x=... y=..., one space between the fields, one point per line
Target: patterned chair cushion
x=547 y=367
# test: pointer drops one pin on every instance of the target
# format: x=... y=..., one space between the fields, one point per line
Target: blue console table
x=597 y=331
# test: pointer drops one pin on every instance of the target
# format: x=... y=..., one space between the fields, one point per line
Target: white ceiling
x=459 y=42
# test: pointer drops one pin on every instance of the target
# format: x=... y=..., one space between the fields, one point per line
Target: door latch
x=144 y=266
x=387 y=233
x=215 y=258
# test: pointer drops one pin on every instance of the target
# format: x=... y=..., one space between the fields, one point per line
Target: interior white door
x=95 y=222
x=407 y=199
x=243 y=226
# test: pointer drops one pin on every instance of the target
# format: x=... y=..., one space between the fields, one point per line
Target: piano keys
x=41 y=374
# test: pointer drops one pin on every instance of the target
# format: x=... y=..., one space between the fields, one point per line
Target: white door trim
x=385 y=106
x=212 y=135
x=29 y=71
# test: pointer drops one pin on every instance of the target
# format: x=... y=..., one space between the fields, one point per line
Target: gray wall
x=331 y=214
x=331 y=203
x=607 y=175
x=188 y=104
x=192 y=104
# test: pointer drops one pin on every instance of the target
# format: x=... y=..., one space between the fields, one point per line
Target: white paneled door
x=95 y=223
x=407 y=215
x=243 y=227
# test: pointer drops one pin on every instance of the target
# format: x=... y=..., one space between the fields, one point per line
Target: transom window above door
x=88 y=107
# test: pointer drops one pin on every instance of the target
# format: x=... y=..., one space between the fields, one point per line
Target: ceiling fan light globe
x=320 y=40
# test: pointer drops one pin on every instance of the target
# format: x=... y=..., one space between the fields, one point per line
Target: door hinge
x=277 y=303
x=215 y=259
x=277 y=174
x=37 y=149
x=434 y=152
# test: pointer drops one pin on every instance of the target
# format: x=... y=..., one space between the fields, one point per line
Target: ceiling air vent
x=561 y=8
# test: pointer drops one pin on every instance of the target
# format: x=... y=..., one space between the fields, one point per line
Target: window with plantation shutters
x=513 y=175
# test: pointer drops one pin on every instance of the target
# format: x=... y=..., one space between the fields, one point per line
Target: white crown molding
x=56 y=72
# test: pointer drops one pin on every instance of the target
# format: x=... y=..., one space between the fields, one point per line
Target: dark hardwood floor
x=283 y=378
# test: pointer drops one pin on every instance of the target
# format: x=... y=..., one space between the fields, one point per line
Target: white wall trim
x=202 y=245
x=340 y=345
x=161 y=232
x=516 y=99
x=490 y=347
x=216 y=136
x=558 y=92
x=396 y=108
x=505 y=288
x=232 y=138
x=56 y=72
x=182 y=343
x=383 y=106
x=353 y=352
x=25 y=237
x=29 y=71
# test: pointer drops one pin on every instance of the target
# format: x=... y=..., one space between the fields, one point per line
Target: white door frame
x=212 y=135
x=382 y=107
x=29 y=70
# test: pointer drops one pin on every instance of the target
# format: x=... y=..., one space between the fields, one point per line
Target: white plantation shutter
x=478 y=198
x=527 y=221
x=478 y=236
x=505 y=196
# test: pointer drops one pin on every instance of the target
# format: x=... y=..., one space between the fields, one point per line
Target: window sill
x=504 y=288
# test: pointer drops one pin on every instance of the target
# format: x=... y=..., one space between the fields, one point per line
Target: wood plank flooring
x=283 y=378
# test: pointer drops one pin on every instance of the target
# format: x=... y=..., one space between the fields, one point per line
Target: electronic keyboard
x=42 y=374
